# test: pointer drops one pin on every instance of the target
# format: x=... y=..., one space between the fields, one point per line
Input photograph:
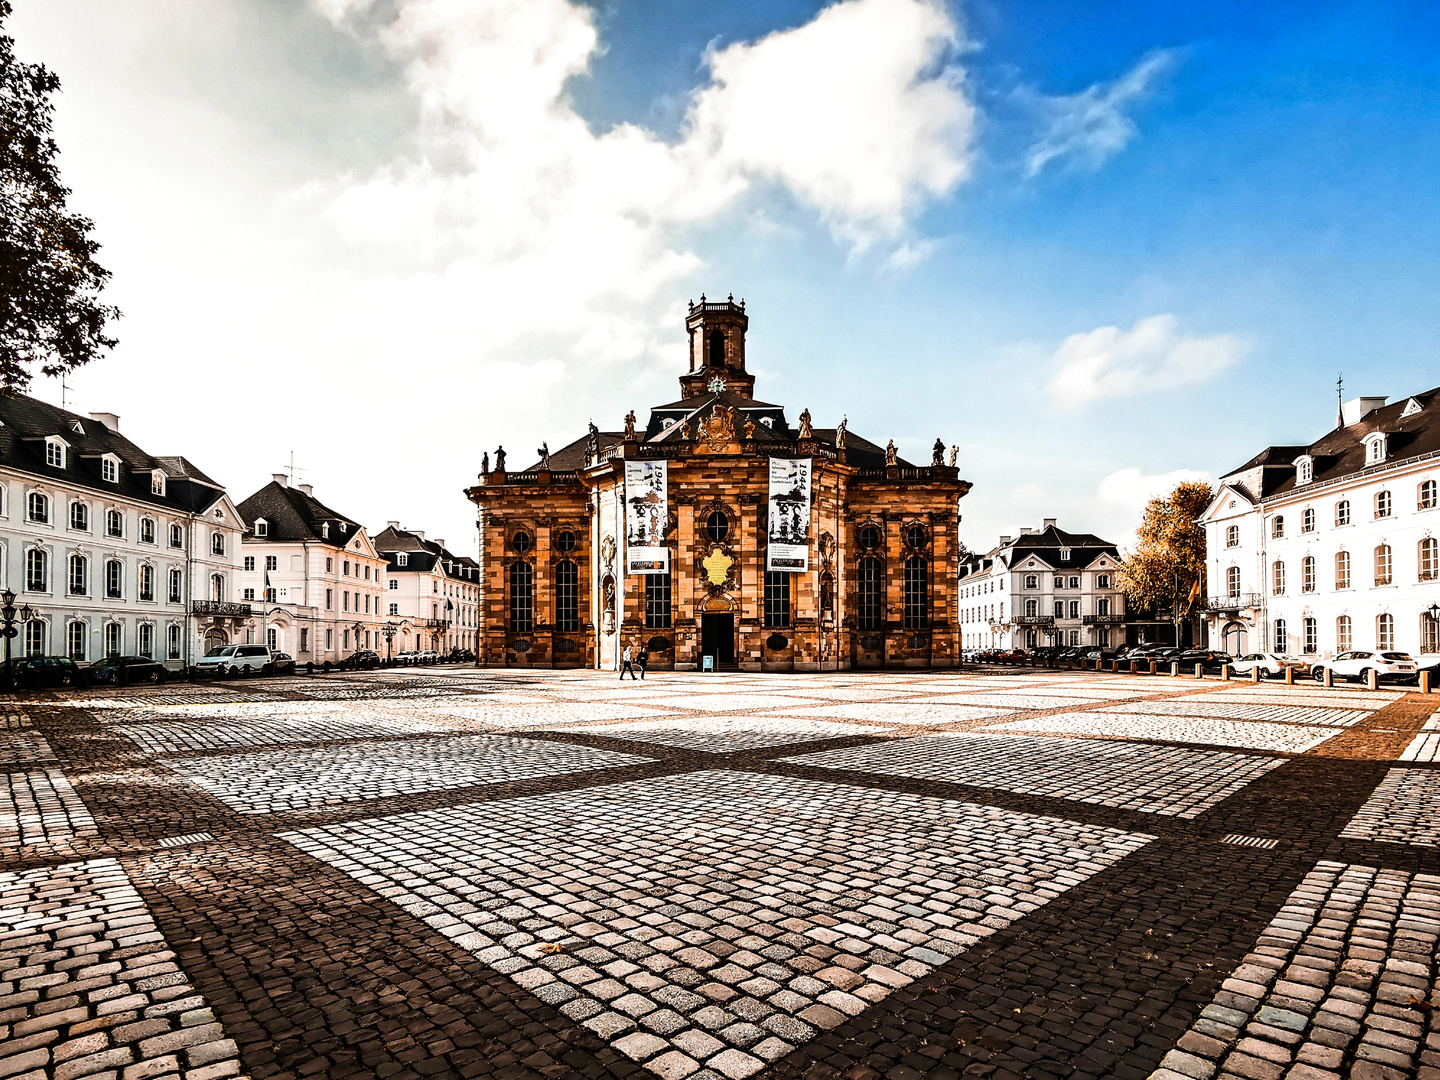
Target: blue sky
x=1100 y=247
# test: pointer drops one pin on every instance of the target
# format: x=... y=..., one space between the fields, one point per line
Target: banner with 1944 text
x=788 y=543
x=647 y=512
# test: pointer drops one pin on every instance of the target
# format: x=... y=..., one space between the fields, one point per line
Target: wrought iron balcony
x=1034 y=620
x=220 y=607
x=1239 y=602
x=1103 y=620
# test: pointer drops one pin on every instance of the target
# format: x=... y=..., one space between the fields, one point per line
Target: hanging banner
x=788 y=547
x=646 y=512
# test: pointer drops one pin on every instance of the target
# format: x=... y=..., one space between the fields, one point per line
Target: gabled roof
x=290 y=514
x=422 y=556
x=26 y=422
x=1048 y=542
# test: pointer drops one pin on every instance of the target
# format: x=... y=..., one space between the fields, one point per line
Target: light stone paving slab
x=732 y=702
x=1329 y=988
x=726 y=734
x=24 y=748
x=285 y=781
x=527 y=717
x=717 y=918
x=1300 y=695
x=1175 y=781
x=1426 y=745
x=1013 y=699
x=177 y=736
x=41 y=807
x=1403 y=809
x=92 y=987
x=1245 y=710
x=904 y=713
x=1247 y=734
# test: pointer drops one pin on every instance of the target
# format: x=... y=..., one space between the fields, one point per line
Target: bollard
x=1199 y=672
x=1255 y=673
x=1372 y=679
x=1225 y=672
x=1154 y=668
x=1134 y=668
x=1424 y=682
x=1115 y=666
x=1329 y=678
x=1289 y=676
x=1174 y=669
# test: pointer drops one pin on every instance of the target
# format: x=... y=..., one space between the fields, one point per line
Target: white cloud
x=1152 y=355
x=1126 y=492
x=1088 y=127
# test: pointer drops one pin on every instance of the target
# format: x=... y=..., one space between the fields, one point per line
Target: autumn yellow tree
x=1167 y=567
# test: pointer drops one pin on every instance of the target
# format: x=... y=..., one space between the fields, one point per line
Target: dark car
x=282 y=664
x=363 y=660
x=36 y=671
x=1206 y=658
x=123 y=670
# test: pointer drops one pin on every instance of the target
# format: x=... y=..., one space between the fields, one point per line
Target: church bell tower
x=717 y=350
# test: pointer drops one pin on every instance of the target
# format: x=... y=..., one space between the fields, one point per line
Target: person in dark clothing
x=644 y=660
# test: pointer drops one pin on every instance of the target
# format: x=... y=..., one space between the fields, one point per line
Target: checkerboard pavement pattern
x=455 y=872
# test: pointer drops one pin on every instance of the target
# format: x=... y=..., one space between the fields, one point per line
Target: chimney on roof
x=280 y=478
x=1026 y=530
x=1005 y=541
x=109 y=419
x=393 y=525
x=439 y=542
x=307 y=489
x=1356 y=409
x=417 y=534
x=1049 y=523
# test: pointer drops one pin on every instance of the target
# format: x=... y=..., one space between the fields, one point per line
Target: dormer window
x=55 y=453
x=768 y=421
x=325 y=530
x=157 y=482
x=77 y=427
x=262 y=527
x=342 y=527
x=1064 y=554
x=110 y=469
x=402 y=559
x=1304 y=469
x=1374 y=447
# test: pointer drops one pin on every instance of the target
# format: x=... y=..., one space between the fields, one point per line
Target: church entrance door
x=717 y=638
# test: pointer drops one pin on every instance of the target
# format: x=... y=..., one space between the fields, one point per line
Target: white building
x=314 y=575
x=1044 y=587
x=432 y=596
x=113 y=550
x=1317 y=549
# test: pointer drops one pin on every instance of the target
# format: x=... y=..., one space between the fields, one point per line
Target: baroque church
x=716 y=533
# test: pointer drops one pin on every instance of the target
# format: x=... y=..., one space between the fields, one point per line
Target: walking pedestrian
x=644 y=660
x=626 y=665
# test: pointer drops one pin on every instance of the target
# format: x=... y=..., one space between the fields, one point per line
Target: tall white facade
x=1317 y=549
x=432 y=597
x=114 y=551
x=1044 y=587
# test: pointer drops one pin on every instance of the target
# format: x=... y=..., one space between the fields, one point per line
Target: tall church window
x=777 y=599
x=917 y=592
x=868 y=592
x=567 y=596
x=522 y=597
x=657 y=600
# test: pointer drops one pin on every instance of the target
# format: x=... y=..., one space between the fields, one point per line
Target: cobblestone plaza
x=462 y=872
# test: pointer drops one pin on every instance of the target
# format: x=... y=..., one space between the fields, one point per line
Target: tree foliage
x=51 y=316
x=1169 y=559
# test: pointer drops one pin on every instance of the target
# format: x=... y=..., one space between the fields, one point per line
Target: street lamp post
x=389 y=630
x=8 y=628
x=1434 y=612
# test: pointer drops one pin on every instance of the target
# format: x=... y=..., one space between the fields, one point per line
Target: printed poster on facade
x=646 y=512
x=788 y=546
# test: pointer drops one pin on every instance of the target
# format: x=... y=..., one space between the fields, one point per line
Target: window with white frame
x=114 y=638
x=1425 y=495
x=1382 y=504
x=35 y=637
x=1307 y=574
x=37 y=508
x=147 y=530
x=1374 y=448
x=1384 y=565
x=1232 y=581
x=1232 y=536
x=1059 y=582
x=1312 y=635
x=217 y=587
x=1032 y=581
x=79 y=575
x=177 y=585
x=114 y=523
x=157 y=482
x=172 y=643
x=77 y=637
x=247 y=594
x=1342 y=570
x=114 y=579
x=147 y=583
x=37 y=571
x=1307 y=520
x=1343 y=633
x=272 y=562
x=249 y=562
x=1304 y=470
x=402 y=559
x=1277 y=526
x=1059 y=609
x=177 y=536
x=110 y=470
x=80 y=516
x=394 y=583
x=217 y=543
x=1277 y=578
x=1342 y=512
x=55 y=453
x=1074 y=609
x=394 y=609
x=145 y=640
x=1102 y=581
x=262 y=527
x=1282 y=638
x=1385 y=632
x=1429 y=559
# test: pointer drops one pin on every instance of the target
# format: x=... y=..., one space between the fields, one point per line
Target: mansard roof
x=290 y=514
x=422 y=555
x=26 y=422
x=1341 y=452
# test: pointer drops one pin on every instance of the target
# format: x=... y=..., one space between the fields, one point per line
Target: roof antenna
x=1340 y=400
x=293 y=469
x=64 y=390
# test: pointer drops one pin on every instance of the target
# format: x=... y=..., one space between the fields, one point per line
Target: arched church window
x=869 y=537
x=717 y=526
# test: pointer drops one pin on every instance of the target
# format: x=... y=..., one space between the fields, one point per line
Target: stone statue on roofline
x=630 y=425
x=954 y=454
x=485 y=463
x=544 y=453
x=805 y=432
x=840 y=433
x=890 y=452
x=937 y=453
x=500 y=459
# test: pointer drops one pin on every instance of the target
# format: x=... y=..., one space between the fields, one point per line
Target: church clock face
x=717 y=384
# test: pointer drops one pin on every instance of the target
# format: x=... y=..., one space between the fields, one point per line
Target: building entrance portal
x=717 y=638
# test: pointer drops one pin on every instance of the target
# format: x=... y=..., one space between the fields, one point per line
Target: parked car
x=232 y=659
x=363 y=660
x=428 y=656
x=284 y=663
x=406 y=656
x=1357 y=664
x=121 y=670
x=1271 y=665
x=1210 y=659
x=1428 y=662
x=36 y=671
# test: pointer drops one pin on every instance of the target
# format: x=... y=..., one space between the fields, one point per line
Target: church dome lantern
x=717 y=349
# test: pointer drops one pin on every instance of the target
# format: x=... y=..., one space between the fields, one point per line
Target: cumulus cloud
x=1086 y=128
x=1123 y=495
x=1152 y=355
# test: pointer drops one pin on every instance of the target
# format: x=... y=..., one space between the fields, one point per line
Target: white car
x=406 y=654
x=429 y=654
x=232 y=659
x=1357 y=664
x=1271 y=665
